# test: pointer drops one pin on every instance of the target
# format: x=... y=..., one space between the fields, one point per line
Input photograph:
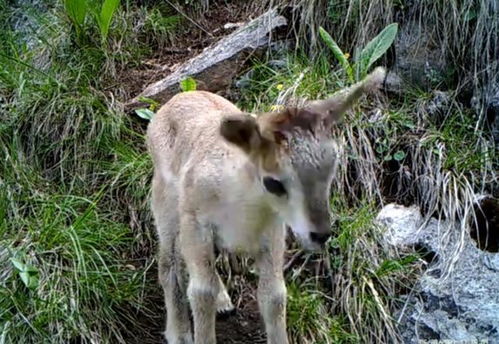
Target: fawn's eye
x=274 y=186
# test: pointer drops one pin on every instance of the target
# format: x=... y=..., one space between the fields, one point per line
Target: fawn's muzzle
x=319 y=238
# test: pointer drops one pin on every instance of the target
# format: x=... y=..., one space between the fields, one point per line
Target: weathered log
x=215 y=68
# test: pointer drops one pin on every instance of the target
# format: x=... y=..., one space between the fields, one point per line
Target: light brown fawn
x=228 y=179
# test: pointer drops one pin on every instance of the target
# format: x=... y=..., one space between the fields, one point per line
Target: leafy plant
x=337 y=52
x=27 y=272
x=188 y=84
x=145 y=113
x=105 y=17
x=77 y=11
x=160 y=28
x=153 y=104
x=376 y=48
x=370 y=54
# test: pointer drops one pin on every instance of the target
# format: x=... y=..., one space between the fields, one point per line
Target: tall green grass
x=76 y=245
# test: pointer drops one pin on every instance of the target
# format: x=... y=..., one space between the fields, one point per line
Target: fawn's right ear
x=243 y=131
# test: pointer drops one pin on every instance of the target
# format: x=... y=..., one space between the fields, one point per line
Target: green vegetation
x=76 y=239
x=77 y=11
x=370 y=54
x=73 y=252
x=188 y=84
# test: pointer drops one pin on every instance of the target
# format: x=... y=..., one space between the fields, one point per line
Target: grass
x=76 y=240
x=73 y=193
x=348 y=296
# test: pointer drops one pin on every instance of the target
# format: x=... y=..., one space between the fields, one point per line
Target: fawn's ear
x=332 y=109
x=242 y=130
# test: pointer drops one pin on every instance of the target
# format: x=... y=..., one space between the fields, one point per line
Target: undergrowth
x=76 y=245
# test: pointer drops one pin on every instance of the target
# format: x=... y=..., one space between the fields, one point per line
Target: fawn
x=231 y=180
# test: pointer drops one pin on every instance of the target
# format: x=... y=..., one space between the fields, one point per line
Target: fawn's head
x=295 y=156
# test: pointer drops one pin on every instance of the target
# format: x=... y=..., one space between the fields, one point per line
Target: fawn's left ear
x=332 y=109
x=242 y=130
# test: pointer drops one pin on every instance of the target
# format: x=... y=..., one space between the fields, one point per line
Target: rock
x=457 y=298
x=418 y=60
x=28 y=18
x=394 y=83
x=216 y=66
x=401 y=223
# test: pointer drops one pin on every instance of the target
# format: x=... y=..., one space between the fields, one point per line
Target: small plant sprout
x=27 y=272
x=188 y=84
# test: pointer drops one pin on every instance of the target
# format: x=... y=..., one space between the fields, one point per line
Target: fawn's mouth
x=305 y=242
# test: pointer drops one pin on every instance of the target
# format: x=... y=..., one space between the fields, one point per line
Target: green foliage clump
x=79 y=10
x=75 y=238
x=367 y=56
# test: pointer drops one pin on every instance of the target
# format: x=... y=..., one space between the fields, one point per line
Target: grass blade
x=337 y=52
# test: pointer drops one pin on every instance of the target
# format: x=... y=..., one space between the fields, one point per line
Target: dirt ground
x=244 y=326
x=205 y=30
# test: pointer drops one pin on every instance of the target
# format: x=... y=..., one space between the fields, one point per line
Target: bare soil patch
x=201 y=31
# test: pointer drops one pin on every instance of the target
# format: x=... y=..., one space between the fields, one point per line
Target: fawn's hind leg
x=170 y=266
x=223 y=303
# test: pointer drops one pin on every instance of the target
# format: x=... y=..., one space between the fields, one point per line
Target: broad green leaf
x=30 y=268
x=144 y=113
x=106 y=15
x=18 y=264
x=188 y=84
x=399 y=155
x=29 y=279
x=76 y=10
x=27 y=272
x=376 y=48
x=337 y=52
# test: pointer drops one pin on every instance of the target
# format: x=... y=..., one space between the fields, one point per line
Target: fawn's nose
x=319 y=238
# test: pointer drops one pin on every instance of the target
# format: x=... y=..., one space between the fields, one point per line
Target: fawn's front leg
x=203 y=289
x=272 y=289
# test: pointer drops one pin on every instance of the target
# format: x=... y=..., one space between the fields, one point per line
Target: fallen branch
x=215 y=68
